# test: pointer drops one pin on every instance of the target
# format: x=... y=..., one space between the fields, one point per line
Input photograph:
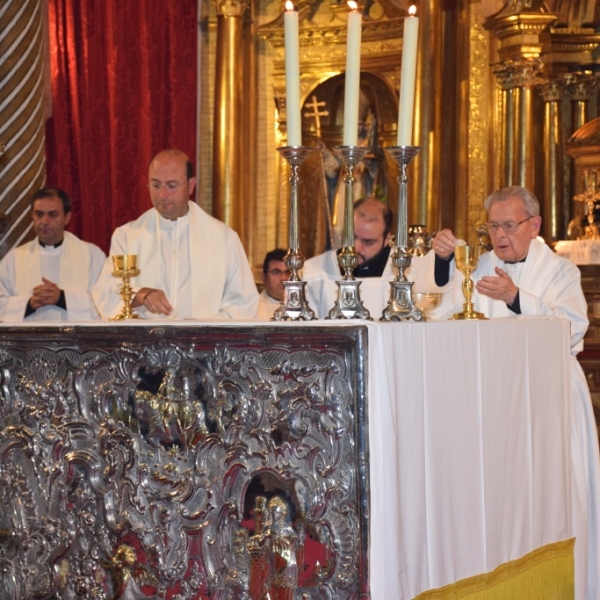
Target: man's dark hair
x=189 y=169
x=276 y=254
x=53 y=193
x=386 y=213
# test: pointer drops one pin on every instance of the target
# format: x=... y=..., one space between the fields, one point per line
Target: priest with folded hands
x=51 y=277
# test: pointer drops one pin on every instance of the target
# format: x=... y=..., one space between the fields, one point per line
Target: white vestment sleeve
x=12 y=308
x=240 y=296
x=562 y=299
x=80 y=304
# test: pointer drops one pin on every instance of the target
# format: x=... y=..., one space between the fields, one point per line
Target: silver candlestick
x=348 y=304
x=400 y=306
x=294 y=306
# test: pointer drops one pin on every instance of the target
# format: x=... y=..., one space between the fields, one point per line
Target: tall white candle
x=352 y=90
x=292 y=76
x=407 y=79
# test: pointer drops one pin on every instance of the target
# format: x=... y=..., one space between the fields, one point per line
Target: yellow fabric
x=547 y=573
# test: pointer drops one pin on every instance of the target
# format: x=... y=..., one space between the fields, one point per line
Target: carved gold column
x=505 y=79
x=473 y=123
x=424 y=197
x=581 y=88
x=24 y=106
x=519 y=27
x=526 y=76
x=554 y=210
x=228 y=196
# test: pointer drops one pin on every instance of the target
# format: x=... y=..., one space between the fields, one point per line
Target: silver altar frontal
x=183 y=462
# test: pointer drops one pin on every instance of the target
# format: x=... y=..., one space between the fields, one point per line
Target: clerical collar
x=50 y=245
x=374 y=267
x=515 y=262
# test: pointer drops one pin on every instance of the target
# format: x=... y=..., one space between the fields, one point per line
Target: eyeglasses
x=509 y=227
x=279 y=272
x=169 y=187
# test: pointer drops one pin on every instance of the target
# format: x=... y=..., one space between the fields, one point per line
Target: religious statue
x=172 y=414
x=128 y=575
x=276 y=550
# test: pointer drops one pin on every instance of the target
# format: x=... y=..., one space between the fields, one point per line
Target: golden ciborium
x=125 y=267
x=467 y=259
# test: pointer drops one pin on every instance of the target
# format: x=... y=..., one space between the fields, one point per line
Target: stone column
x=24 y=106
x=228 y=196
x=555 y=211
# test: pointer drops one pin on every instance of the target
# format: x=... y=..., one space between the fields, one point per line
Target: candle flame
x=352 y=5
x=412 y=11
x=289 y=5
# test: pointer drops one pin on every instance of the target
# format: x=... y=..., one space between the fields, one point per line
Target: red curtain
x=124 y=87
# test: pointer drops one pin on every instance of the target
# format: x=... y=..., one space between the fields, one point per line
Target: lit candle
x=407 y=78
x=352 y=90
x=292 y=75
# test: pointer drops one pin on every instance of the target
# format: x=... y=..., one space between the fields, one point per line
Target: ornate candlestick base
x=294 y=306
x=348 y=304
x=400 y=306
x=125 y=267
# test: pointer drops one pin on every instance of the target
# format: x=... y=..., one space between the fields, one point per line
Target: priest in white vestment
x=372 y=233
x=523 y=276
x=51 y=277
x=192 y=266
x=275 y=272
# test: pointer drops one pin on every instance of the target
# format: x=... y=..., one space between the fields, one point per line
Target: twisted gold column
x=228 y=197
x=23 y=103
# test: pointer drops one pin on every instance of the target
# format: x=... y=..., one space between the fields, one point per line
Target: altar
x=409 y=456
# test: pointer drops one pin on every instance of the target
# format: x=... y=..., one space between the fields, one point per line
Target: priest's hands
x=154 y=300
x=498 y=288
x=443 y=243
x=46 y=294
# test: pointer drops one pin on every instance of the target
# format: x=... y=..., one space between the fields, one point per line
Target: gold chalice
x=125 y=267
x=467 y=259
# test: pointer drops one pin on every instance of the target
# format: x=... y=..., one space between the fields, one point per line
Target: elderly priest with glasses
x=523 y=276
x=192 y=266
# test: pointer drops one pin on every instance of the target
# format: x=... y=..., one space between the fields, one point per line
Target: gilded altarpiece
x=183 y=462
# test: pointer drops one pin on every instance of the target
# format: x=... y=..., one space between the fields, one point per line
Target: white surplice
x=198 y=261
x=550 y=285
x=74 y=266
x=322 y=271
x=267 y=305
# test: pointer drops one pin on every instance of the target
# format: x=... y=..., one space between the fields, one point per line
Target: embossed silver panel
x=144 y=462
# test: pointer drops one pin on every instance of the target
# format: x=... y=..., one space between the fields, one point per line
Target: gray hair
x=531 y=204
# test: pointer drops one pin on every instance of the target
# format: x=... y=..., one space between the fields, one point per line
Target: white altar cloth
x=470 y=448
x=581 y=252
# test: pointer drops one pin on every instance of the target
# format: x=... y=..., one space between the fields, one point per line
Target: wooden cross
x=314 y=104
